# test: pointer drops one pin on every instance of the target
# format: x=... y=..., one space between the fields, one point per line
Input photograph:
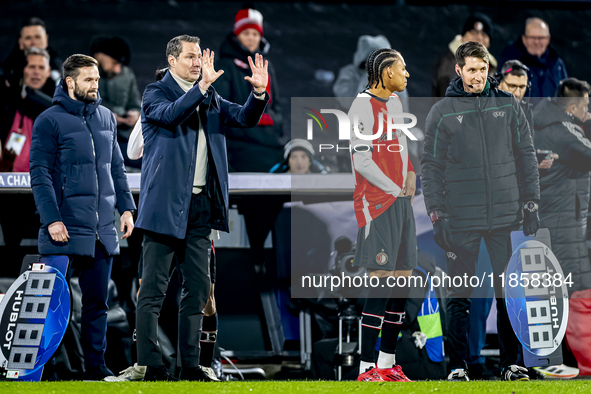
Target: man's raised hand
x=260 y=75
x=208 y=74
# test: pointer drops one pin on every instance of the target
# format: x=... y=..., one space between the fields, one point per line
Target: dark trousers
x=482 y=299
x=466 y=246
x=93 y=276
x=193 y=254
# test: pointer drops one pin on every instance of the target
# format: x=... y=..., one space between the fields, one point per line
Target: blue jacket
x=546 y=71
x=77 y=175
x=170 y=126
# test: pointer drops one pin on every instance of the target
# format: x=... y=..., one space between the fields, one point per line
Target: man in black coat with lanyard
x=479 y=174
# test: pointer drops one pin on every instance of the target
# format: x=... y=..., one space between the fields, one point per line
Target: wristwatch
x=530 y=206
x=259 y=95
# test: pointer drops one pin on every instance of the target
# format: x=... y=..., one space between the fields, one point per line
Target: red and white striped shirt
x=380 y=166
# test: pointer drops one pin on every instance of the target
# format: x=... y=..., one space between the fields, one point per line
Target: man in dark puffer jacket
x=78 y=179
x=565 y=186
x=565 y=201
x=479 y=168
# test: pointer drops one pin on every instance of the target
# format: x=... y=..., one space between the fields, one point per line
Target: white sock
x=386 y=360
x=364 y=366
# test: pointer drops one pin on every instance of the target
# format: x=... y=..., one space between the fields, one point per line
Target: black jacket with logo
x=479 y=164
x=565 y=189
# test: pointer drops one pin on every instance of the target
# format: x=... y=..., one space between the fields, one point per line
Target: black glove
x=441 y=232
x=531 y=219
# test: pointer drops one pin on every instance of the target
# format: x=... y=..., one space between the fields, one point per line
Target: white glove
x=420 y=339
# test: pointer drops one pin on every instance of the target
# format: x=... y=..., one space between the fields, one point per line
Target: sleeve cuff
x=261 y=97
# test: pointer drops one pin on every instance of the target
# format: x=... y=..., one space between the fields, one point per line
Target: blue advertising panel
x=34 y=314
x=536 y=297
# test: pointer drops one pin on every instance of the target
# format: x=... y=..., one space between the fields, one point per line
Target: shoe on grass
x=371 y=375
x=159 y=374
x=558 y=371
x=132 y=374
x=458 y=375
x=514 y=373
x=199 y=373
x=393 y=374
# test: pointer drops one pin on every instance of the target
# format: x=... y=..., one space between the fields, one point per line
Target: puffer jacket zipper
x=96 y=177
x=487 y=184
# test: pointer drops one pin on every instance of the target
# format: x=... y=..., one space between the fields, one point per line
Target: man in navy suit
x=184 y=192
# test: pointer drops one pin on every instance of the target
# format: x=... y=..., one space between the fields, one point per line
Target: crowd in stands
x=27 y=86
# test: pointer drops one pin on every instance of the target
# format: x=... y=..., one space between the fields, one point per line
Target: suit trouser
x=466 y=246
x=93 y=277
x=193 y=254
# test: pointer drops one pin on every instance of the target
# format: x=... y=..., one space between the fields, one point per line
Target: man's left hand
x=531 y=220
x=127 y=224
x=410 y=186
x=260 y=75
x=547 y=163
x=208 y=73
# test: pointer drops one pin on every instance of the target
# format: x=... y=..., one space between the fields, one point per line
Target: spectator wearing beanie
x=298 y=158
x=118 y=88
x=259 y=148
x=479 y=28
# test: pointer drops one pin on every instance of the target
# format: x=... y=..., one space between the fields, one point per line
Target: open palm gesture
x=208 y=73
x=260 y=75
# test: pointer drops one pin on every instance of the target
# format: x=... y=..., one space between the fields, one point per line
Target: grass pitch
x=298 y=387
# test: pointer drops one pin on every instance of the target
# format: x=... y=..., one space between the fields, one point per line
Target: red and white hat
x=248 y=19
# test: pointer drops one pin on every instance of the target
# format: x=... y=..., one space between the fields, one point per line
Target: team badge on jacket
x=381 y=258
x=451 y=255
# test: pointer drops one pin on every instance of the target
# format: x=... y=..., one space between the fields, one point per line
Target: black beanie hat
x=116 y=47
x=481 y=22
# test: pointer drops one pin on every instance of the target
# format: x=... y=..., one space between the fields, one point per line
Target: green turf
x=299 y=387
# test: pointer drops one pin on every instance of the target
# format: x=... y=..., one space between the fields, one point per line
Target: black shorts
x=391 y=241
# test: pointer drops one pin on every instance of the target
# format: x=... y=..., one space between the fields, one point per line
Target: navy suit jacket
x=170 y=126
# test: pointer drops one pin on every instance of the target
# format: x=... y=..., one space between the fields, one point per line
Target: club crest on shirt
x=451 y=255
x=382 y=258
x=360 y=127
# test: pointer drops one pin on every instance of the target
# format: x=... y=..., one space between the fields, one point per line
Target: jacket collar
x=232 y=48
x=169 y=81
x=456 y=88
x=75 y=107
